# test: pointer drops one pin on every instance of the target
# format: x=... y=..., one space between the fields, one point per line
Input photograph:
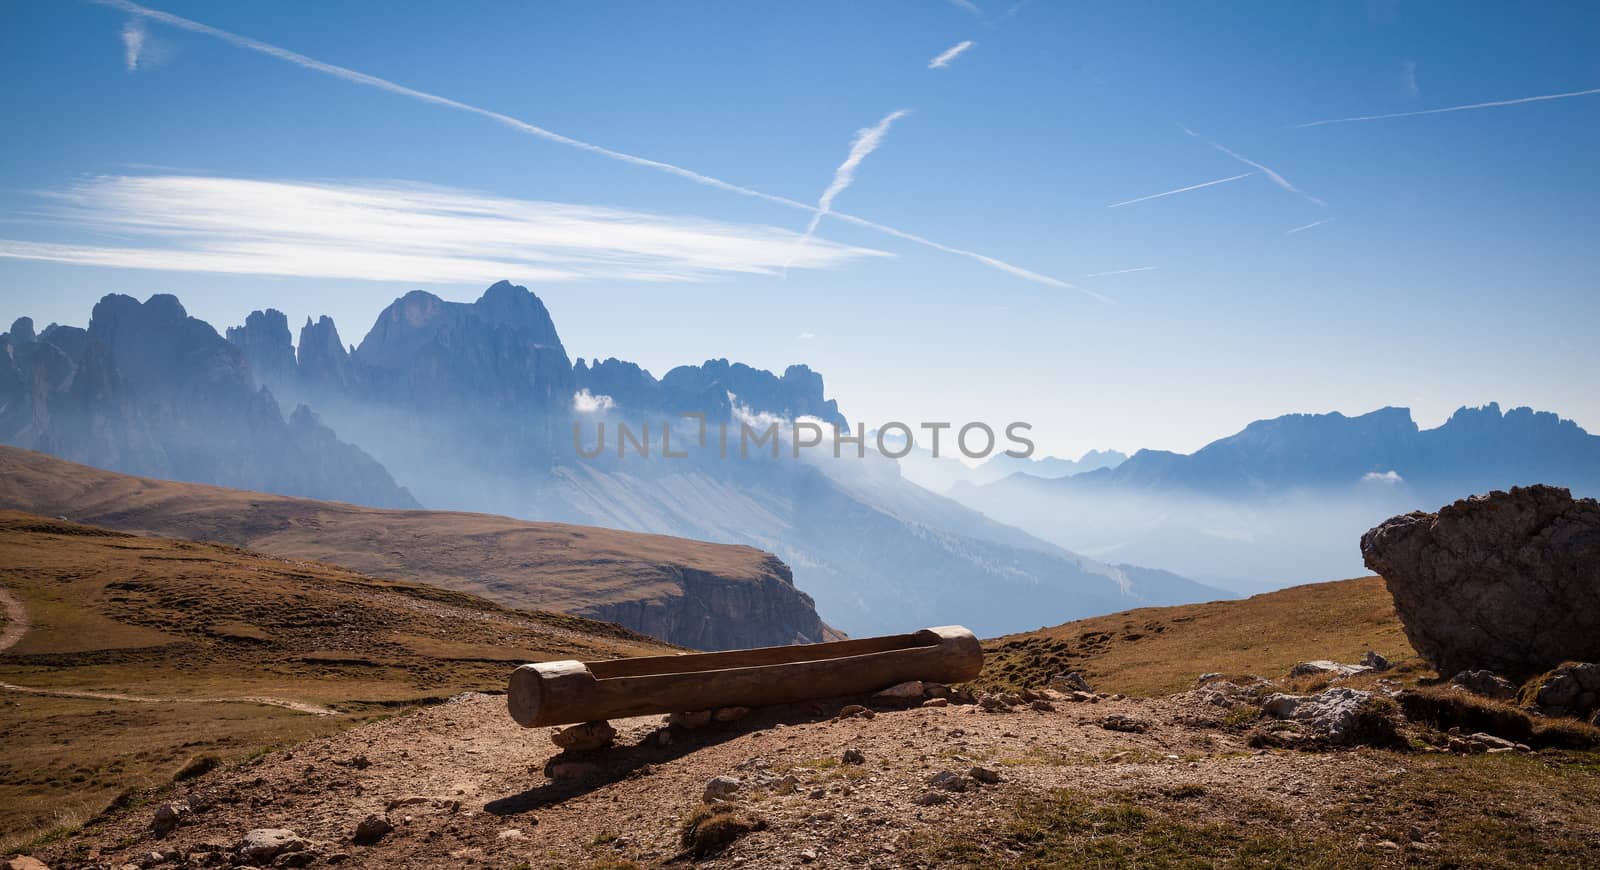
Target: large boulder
x=1508 y=581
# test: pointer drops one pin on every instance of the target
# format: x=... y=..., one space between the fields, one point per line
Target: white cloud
x=133 y=36
x=399 y=232
x=1121 y=271
x=866 y=141
x=585 y=402
x=1389 y=478
x=1490 y=105
x=806 y=336
x=968 y=6
x=1277 y=179
x=1408 y=79
x=1181 y=189
x=950 y=54
x=1312 y=225
x=371 y=81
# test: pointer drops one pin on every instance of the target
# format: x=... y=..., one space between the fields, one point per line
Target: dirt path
x=17 y=623
x=285 y=703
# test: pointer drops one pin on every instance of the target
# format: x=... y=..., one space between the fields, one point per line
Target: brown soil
x=464 y=786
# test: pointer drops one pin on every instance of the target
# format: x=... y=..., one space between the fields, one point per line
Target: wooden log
x=559 y=693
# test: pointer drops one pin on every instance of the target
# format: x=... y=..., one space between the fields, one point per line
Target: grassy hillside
x=1157 y=650
x=145 y=653
x=535 y=565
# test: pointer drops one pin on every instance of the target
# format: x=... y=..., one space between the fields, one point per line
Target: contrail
x=1309 y=226
x=1181 y=189
x=1490 y=105
x=1276 y=178
x=867 y=141
x=949 y=54
x=361 y=78
x=1121 y=271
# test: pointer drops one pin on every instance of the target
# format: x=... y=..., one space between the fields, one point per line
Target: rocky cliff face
x=1507 y=582
x=706 y=612
x=147 y=389
x=705 y=389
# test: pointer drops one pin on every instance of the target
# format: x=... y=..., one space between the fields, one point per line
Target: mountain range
x=475 y=407
x=1286 y=499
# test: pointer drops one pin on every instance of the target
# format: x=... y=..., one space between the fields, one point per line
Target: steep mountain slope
x=146 y=389
x=142 y=653
x=697 y=594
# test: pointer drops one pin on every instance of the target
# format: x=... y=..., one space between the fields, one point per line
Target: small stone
x=984 y=775
x=721 y=788
x=936 y=702
x=372 y=829
x=586 y=737
x=169 y=816
x=787 y=785
x=730 y=714
x=853 y=756
x=907 y=691
x=410 y=800
x=817 y=794
x=949 y=780
x=1375 y=661
x=931 y=798
x=808 y=855
x=852 y=711
x=1043 y=706
x=1072 y=681
x=1085 y=697
x=1125 y=724
x=690 y=721
x=262 y=845
x=23 y=862
x=509 y=834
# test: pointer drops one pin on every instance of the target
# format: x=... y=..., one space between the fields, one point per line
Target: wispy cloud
x=363 y=79
x=1308 y=226
x=397 y=232
x=1277 y=179
x=1121 y=271
x=1181 y=189
x=806 y=336
x=1408 y=79
x=133 y=34
x=1490 y=105
x=866 y=141
x=949 y=54
x=967 y=6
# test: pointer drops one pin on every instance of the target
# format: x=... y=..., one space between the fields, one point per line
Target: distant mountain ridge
x=1475 y=448
x=1284 y=500
x=476 y=407
x=147 y=389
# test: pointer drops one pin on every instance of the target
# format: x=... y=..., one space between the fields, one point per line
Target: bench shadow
x=619 y=762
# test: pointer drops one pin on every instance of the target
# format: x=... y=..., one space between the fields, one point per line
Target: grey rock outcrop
x=1485 y=683
x=1570 y=690
x=1508 y=581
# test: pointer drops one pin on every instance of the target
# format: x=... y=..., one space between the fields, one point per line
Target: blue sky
x=1455 y=262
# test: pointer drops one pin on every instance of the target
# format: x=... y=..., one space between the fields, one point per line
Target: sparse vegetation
x=1157 y=651
x=711 y=827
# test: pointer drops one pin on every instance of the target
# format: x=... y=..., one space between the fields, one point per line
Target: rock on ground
x=1336 y=715
x=1570 y=690
x=262 y=845
x=1485 y=683
x=586 y=737
x=1508 y=581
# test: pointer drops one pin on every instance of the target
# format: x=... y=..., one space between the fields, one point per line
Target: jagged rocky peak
x=264 y=339
x=158 y=346
x=629 y=385
x=21 y=331
x=798 y=393
x=324 y=361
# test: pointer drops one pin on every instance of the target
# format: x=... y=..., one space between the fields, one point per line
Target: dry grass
x=579 y=569
x=1159 y=650
x=163 y=619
